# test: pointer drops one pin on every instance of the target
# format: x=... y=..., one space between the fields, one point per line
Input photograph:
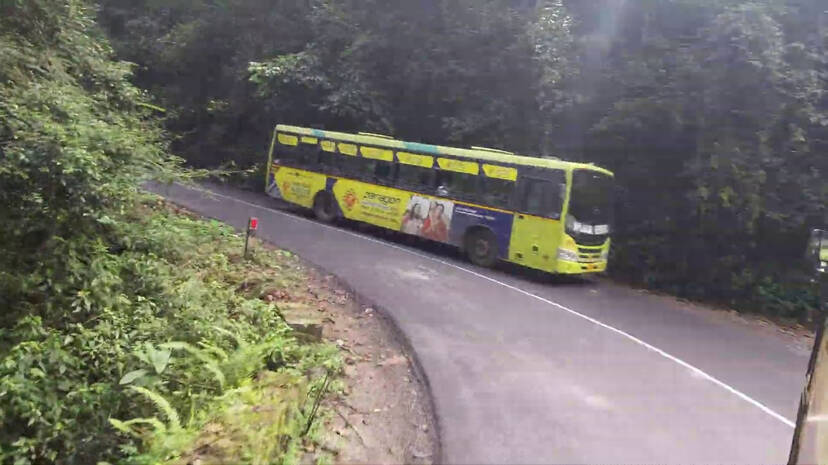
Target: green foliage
x=260 y=422
x=717 y=134
x=126 y=426
x=73 y=146
x=165 y=332
x=349 y=65
x=193 y=55
x=113 y=308
x=711 y=113
x=173 y=421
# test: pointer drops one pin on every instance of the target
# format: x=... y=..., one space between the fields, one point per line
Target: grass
x=263 y=413
x=176 y=350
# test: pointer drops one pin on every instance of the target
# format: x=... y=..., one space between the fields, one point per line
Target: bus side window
x=498 y=192
x=328 y=162
x=286 y=152
x=349 y=165
x=540 y=197
x=359 y=168
x=307 y=156
x=457 y=185
x=416 y=178
x=384 y=172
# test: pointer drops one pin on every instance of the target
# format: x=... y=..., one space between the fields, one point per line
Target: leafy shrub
x=159 y=324
x=112 y=307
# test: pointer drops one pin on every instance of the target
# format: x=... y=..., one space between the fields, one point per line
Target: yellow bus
x=541 y=213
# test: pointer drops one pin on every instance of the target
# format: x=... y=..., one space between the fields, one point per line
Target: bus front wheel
x=324 y=207
x=481 y=247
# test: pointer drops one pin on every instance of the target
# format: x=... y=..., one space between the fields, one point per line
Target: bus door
x=537 y=229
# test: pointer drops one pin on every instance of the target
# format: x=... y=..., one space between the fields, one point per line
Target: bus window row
x=532 y=196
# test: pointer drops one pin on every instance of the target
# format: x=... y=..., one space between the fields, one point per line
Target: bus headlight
x=605 y=255
x=568 y=255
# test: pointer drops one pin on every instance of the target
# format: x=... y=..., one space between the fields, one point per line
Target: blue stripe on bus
x=272 y=187
x=500 y=223
x=424 y=148
x=318 y=133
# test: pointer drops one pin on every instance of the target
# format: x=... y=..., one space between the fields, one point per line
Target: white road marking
x=694 y=370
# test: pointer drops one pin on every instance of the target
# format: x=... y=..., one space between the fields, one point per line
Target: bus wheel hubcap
x=481 y=247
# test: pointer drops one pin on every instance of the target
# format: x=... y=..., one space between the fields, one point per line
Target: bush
x=161 y=317
x=121 y=323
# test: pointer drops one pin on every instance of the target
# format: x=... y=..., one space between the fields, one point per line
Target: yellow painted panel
x=382 y=206
x=534 y=242
x=309 y=140
x=459 y=166
x=500 y=172
x=480 y=155
x=328 y=146
x=347 y=149
x=414 y=159
x=377 y=154
x=287 y=139
x=298 y=186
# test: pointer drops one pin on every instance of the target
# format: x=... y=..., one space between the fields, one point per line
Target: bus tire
x=324 y=207
x=481 y=247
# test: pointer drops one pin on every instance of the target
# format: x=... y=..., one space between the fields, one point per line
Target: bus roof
x=477 y=153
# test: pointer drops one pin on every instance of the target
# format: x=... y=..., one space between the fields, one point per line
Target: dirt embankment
x=384 y=414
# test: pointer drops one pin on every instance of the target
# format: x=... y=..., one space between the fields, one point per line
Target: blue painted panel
x=466 y=216
x=273 y=188
x=423 y=148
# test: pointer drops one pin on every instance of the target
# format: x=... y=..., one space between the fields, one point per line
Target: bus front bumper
x=567 y=267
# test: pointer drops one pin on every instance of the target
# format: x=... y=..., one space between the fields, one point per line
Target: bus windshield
x=590 y=200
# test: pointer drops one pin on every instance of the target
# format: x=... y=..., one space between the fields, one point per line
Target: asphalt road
x=530 y=370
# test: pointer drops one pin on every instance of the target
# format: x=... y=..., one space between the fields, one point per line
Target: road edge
x=405 y=344
x=387 y=319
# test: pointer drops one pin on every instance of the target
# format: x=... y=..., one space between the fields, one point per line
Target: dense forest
x=712 y=113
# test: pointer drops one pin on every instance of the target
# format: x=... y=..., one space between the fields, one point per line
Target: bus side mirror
x=817 y=254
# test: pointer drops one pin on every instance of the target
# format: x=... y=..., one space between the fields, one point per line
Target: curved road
x=526 y=371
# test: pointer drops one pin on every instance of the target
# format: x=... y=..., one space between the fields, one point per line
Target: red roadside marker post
x=252 y=227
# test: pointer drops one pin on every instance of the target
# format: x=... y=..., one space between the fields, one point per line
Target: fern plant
x=173 y=420
x=210 y=363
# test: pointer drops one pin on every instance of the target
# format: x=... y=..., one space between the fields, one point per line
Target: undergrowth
x=167 y=343
x=124 y=328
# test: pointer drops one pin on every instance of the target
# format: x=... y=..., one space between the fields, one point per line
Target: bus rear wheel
x=481 y=247
x=324 y=207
